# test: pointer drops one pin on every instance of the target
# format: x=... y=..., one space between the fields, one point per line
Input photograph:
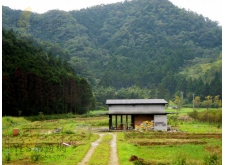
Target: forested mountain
x=34 y=81
x=147 y=43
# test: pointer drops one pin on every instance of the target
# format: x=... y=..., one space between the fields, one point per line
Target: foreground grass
x=102 y=152
x=169 y=154
x=35 y=145
x=35 y=132
x=40 y=153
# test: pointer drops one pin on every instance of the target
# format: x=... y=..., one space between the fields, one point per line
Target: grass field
x=184 y=111
x=172 y=150
x=195 y=143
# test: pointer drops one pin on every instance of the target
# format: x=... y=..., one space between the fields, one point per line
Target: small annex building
x=130 y=113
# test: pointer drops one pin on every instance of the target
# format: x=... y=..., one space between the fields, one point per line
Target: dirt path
x=91 y=151
x=113 y=153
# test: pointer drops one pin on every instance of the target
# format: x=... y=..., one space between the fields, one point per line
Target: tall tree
x=178 y=101
x=207 y=102
x=197 y=101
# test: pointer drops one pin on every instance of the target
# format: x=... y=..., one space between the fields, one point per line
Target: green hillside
x=148 y=43
x=34 y=82
x=206 y=71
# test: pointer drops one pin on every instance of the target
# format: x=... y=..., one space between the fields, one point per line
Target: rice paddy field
x=66 y=141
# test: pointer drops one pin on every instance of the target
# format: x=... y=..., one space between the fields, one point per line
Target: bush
x=193 y=114
x=68 y=132
x=211 y=116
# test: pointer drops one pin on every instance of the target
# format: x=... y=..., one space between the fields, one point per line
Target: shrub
x=211 y=116
x=213 y=159
x=68 y=132
x=193 y=114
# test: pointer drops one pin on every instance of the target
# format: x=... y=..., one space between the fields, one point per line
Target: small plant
x=41 y=116
x=35 y=155
x=9 y=119
x=137 y=162
x=181 y=159
x=7 y=156
x=69 y=115
x=68 y=132
x=213 y=159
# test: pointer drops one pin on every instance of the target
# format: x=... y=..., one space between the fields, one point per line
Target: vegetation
x=210 y=116
x=102 y=153
x=127 y=50
x=174 y=149
x=201 y=136
x=35 y=82
x=37 y=142
x=146 y=44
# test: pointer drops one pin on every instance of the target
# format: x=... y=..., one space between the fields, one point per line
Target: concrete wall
x=160 y=122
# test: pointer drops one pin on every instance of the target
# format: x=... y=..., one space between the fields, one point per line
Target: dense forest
x=131 y=49
x=33 y=81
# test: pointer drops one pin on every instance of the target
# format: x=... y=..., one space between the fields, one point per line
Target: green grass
x=31 y=134
x=98 y=112
x=63 y=155
x=198 y=127
x=102 y=152
x=184 y=111
x=170 y=154
x=125 y=150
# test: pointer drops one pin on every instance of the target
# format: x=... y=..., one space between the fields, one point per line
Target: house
x=130 y=113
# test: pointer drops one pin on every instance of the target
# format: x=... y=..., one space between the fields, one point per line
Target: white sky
x=208 y=8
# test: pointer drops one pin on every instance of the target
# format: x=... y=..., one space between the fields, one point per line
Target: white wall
x=160 y=122
x=138 y=109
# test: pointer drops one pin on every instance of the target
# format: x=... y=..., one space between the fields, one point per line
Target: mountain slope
x=35 y=82
x=141 y=42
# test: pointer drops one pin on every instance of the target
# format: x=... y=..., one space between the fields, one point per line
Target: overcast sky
x=208 y=8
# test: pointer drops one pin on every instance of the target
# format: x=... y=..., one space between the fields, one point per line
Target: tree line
x=187 y=87
x=34 y=81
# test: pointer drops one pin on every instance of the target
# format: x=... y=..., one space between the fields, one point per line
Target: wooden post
x=132 y=121
x=121 y=121
x=126 y=121
x=116 y=121
x=110 y=122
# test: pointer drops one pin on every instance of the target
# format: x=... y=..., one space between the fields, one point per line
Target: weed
x=36 y=153
x=181 y=159
x=9 y=119
x=137 y=162
x=7 y=156
x=68 y=132
x=212 y=159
